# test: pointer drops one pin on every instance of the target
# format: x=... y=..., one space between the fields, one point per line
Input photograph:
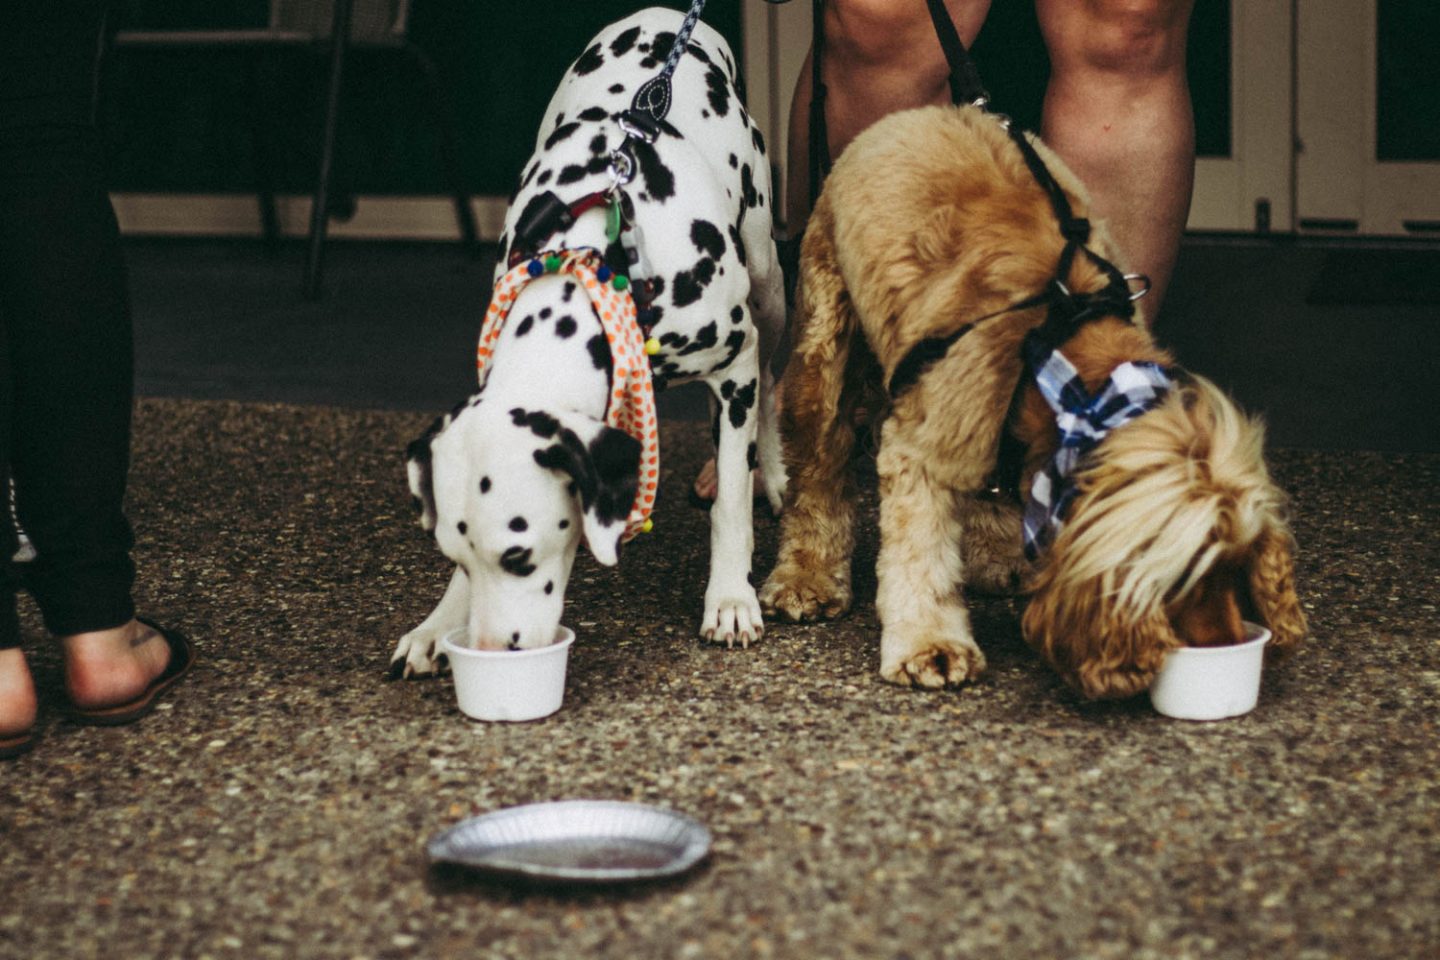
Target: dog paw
x=933 y=663
x=799 y=595
x=732 y=616
x=417 y=655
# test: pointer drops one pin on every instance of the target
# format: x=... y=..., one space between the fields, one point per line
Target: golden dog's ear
x=1102 y=648
x=1272 y=589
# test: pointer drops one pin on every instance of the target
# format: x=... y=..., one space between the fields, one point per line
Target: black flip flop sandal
x=182 y=657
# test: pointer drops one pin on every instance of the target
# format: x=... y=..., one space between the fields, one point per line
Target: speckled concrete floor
x=277 y=805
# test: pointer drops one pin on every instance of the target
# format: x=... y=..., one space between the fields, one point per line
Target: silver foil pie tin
x=576 y=841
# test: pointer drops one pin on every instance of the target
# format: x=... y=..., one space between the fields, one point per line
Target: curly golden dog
x=931 y=221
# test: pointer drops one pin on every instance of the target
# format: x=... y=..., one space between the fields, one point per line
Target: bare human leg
x=1118 y=111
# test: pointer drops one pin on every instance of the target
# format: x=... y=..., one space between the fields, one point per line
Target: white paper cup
x=508 y=684
x=1211 y=683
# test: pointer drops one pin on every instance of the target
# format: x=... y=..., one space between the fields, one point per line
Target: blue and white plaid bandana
x=1083 y=421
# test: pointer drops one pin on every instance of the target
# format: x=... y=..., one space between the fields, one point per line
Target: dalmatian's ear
x=422 y=479
x=604 y=464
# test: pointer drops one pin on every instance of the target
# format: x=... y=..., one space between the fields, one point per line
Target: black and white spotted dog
x=512 y=478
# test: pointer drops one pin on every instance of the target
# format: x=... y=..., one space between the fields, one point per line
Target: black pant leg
x=65 y=308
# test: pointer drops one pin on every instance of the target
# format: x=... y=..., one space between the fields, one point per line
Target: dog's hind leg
x=925 y=638
x=767 y=307
x=992 y=549
x=811 y=578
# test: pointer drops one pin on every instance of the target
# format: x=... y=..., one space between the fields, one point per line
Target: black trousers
x=66 y=353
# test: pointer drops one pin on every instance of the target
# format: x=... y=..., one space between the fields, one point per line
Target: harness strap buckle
x=638 y=125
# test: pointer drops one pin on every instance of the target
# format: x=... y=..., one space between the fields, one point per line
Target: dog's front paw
x=731 y=616
x=417 y=655
x=798 y=594
x=930 y=661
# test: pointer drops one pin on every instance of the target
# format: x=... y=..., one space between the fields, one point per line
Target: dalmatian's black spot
x=523 y=327
x=705 y=338
x=606 y=472
x=515 y=640
x=659 y=180
x=737 y=314
x=694 y=50
x=718 y=90
x=544 y=177
x=617 y=88
x=593 y=114
x=484 y=484
x=599 y=349
x=757 y=138
x=734 y=162
x=621 y=45
x=597 y=143
x=590 y=61
x=689 y=285
x=658 y=50
x=574 y=173
x=461 y=527
x=707 y=239
x=539 y=422
x=565 y=327
x=566 y=523
x=727 y=389
x=752 y=456
x=519 y=525
x=560 y=134
x=568 y=292
x=739 y=241
x=549 y=587
x=747 y=186
x=740 y=403
x=733 y=344
x=516 y=561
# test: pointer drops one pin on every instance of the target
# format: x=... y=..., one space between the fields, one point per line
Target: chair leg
x=319 y=212
x=449 y=150
x=264 y=159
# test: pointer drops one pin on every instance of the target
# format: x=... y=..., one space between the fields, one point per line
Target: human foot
x=106 y=668
x=18 y=706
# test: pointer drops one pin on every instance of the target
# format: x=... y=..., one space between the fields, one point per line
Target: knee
x=1135 y=38
x=893 y=34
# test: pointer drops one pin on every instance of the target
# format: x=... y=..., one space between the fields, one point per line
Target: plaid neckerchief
x=631 y=405
x=1083 y=421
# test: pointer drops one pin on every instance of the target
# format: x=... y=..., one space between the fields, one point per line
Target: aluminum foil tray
x=585 y=841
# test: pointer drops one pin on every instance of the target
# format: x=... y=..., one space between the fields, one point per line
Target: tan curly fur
x=929 y=220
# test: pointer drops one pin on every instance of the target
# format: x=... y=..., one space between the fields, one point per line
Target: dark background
x=187 y=121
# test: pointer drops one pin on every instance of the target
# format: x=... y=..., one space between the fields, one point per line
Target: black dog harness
x=1083 y=419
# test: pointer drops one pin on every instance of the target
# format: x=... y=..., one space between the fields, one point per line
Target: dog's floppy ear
x=604 y=465
x=1272 y=589
x=1103 y=648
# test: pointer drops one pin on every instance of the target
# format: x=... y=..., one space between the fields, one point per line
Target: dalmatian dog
x=516 y=476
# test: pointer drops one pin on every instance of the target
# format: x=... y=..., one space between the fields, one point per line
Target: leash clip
x=622 y=168
x=1144 y=289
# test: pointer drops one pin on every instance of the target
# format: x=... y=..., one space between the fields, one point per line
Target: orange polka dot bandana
x=631 y=405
